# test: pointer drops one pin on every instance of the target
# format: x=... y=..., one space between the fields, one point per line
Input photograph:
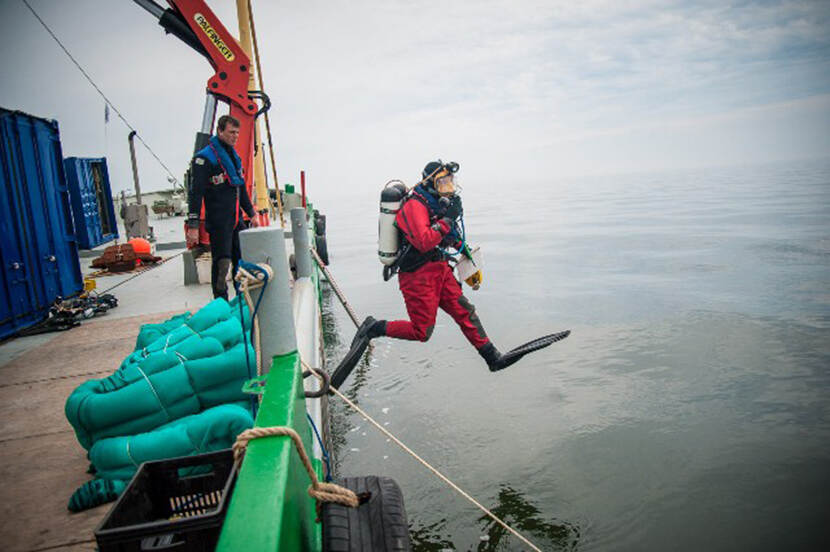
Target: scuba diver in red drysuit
x=427 y=224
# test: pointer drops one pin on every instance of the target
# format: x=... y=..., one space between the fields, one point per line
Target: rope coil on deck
x=322 y=492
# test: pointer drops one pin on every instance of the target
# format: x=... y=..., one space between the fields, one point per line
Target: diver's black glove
x=454 y=209
x=449 y=240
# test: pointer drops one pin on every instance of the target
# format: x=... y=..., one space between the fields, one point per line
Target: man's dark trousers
x=225 y=253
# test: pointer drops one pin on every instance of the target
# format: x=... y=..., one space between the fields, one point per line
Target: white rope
x=155 y=393
x=335 y=287
x=130 y=455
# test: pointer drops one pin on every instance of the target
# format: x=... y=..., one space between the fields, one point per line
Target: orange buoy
x=140 y=245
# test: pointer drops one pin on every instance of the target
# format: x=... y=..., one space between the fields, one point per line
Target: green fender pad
x=148 y=333
x=213 y=429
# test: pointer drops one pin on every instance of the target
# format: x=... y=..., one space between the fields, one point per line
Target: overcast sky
x=521 y=90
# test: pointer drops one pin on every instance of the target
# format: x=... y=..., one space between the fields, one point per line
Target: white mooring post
x=299 y=232
x=276 y=320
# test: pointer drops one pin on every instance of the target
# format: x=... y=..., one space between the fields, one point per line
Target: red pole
x=302 y=185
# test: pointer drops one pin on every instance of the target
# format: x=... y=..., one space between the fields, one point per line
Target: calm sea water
x=689 y=409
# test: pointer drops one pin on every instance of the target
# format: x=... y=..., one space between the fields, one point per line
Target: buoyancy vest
x=216 y=153
x=424 y=196
x=411 y=259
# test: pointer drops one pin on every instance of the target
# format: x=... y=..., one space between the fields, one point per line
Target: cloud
x=364 y=92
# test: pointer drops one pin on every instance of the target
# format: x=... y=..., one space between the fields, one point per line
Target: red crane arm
x=232 y=71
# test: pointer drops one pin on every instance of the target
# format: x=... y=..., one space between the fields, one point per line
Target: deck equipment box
x=37 y=241
x=91 y=197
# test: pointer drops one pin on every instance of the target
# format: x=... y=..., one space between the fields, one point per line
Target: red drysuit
x=432 y=284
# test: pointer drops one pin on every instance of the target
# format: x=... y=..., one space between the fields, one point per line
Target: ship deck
x=41 y=462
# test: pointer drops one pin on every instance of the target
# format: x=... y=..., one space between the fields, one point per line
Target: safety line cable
x=322 y=447
x=335 y=287
x=62 y=545
x=247 y=282
x=55 y=378
x=254 y=399
x=95 y=86
x=137 y=274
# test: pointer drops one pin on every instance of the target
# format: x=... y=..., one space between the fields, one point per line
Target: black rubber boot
x=370 y=329
x=494 y=359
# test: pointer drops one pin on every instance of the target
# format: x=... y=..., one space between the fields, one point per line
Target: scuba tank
x=390 y=202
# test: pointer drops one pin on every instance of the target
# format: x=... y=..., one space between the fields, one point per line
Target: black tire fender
x=377 y=525
x=322 y=249
x=320 y=225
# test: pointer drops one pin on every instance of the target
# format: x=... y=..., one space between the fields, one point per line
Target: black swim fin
x=368 y=330
x=497 y=361
x=349 y=361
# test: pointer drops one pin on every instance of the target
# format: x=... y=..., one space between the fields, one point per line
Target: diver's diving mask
x=446 y=184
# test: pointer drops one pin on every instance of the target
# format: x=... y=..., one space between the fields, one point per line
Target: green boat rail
x=270 y=508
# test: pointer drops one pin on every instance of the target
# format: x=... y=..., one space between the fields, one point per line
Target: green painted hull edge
x=270 y=508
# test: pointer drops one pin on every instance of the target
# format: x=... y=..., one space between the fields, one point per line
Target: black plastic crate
x=176 y=504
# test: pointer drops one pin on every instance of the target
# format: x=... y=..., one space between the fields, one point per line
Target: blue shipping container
x=37 y=241
x=92 y=208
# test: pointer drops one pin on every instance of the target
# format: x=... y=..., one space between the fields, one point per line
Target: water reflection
x=340 y=421
x=516 y=511
x=338 y=424
x=429 y=538
x=331 y=337
x=335 y=347
x=360 y=376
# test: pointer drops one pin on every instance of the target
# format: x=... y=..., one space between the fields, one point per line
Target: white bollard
x=276 y=320
x=299 y=233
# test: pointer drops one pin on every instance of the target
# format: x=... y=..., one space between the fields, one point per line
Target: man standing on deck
x=218 y=179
